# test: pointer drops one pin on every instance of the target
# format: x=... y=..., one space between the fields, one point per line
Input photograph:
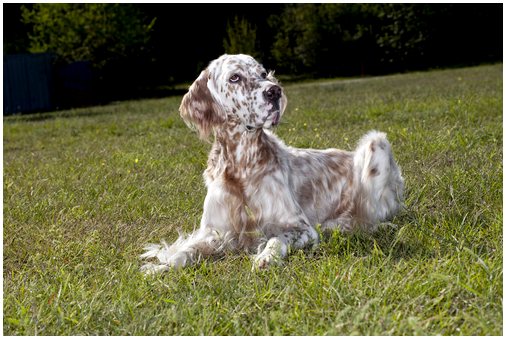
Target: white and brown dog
x=261 y=194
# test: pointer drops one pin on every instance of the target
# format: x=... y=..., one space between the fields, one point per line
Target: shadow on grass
x=387 y=242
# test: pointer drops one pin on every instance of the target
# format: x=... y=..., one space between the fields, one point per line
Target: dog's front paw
x=150 y=268
x=174 y=262
x=264 y=260
x=163 y=258
x=272 y=254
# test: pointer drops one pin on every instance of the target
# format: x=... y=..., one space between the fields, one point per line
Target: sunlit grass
x=86 y=189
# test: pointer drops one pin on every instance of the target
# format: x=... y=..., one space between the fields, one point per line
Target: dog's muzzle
x=273 y=96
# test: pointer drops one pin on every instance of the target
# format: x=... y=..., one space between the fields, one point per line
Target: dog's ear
x=199 y=109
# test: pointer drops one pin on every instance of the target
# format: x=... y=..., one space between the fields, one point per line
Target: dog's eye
x=264 y=75
x=234 y=78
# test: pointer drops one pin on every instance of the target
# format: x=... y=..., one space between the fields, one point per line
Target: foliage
x=86 y=189
x=402 y=31
x=99 y=33
x=241 y=38
x=326 y=39
x=329 y=39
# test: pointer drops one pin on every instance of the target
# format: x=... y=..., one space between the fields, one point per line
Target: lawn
x=84 y=190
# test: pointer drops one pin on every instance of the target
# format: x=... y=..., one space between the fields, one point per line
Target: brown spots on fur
x=339 y=162
x=198 y=108
x=265 y=153
x=242 y=218
x=232 y=183
x=306 y=193
x=346 y=206
x=381 y=144
x=322 y=172
x=236 y=103
x=214 y=155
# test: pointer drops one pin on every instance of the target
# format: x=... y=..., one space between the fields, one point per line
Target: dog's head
x=233 y=89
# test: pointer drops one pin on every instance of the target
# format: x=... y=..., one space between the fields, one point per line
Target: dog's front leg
x=277 y=247
x=183 y=252
x=212 y=238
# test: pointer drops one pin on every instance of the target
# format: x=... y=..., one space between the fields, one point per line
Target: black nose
x=273 y=93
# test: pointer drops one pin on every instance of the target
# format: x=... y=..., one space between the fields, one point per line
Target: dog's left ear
x=199 y=109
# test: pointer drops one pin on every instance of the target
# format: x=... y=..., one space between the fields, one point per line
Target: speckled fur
x=265 y=196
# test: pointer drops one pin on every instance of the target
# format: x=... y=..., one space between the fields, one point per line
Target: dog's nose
x=273 y=93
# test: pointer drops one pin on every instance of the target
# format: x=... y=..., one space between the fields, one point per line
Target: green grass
x=86 y=189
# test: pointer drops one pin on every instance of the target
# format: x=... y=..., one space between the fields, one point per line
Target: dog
x=262 y=195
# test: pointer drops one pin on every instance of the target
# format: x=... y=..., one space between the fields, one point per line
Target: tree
x=98 y=33
x=295 y=36
x=241 y=38
x=402 y=32
x=344 y=39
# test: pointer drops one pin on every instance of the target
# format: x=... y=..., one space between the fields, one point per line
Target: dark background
x=348 y=40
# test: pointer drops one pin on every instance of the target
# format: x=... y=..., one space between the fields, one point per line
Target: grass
x=86 y=189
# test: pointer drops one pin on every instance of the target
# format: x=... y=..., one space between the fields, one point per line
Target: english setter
x=261 y=194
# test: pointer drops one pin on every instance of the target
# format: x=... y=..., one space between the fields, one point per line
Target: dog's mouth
x=271 y=119
x=275 y=113
x=275 y=118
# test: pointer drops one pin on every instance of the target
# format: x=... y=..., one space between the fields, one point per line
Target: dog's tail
x=380 y=180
